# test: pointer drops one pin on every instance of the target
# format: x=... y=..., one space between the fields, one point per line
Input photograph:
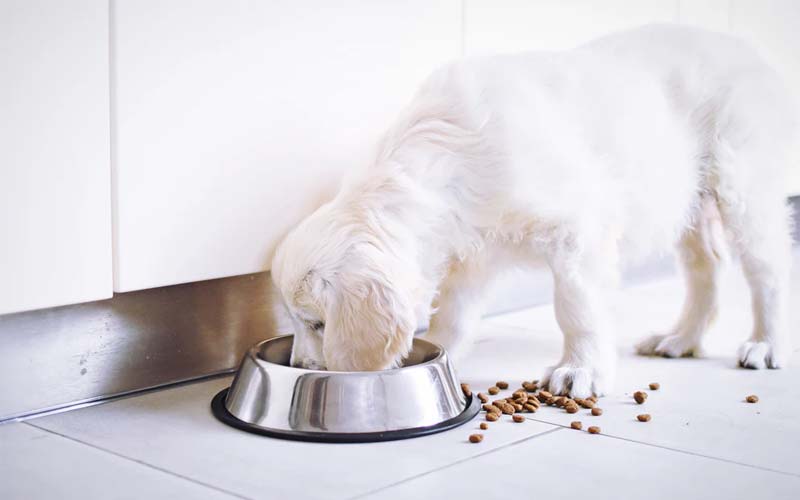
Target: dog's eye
x=317 y=326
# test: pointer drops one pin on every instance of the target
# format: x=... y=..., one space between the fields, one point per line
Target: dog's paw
x=759 y=355
x=578 y=381
x=669 y=346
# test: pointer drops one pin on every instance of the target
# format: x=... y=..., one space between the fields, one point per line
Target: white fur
x=577 y=159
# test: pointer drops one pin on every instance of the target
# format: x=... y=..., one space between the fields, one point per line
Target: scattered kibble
x=752 y=398
x=483 y=397
x=576 y=425
x=594 y=430
x=484 y=426
x=530 y=408
x=502 y=384
x=466 y=390
x=493 y=390
x=645 y=417
x=518 y=418
x=654 y=386
x=640 y=397
x=492 y=417
x=597 y=411
x=475 y=438
x=571 y=409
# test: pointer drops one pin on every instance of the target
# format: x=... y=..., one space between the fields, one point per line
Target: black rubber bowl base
x=223 y=415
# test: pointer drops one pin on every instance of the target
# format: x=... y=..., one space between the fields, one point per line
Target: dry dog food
x=544 y=396
x=484 y=426
x=530 y=408
x=640 y=396
x=597 y=411
x=530 y=386
x=594 y=430
x=506 y=408
x=475 y=438
x=493 y=390
x=752 y=398
x=645 y=417
x=483 y=397
x=491 y=409
x=502 y=384
x=466 y=390
x=654 y=386
x=573 y=408
x=518 y=418
x=576 y=425
x=492 y=416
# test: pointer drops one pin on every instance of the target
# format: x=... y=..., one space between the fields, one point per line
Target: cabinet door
x=234 y=119
x=55 y=207
x=493 y=26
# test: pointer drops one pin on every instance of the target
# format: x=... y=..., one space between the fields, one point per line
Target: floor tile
x=571 y=464
x=700 y=407
x=35 y=464
x=174 y=430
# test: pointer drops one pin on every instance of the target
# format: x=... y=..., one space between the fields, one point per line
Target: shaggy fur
x=576 y=159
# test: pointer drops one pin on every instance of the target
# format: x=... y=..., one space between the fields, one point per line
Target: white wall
x=55 y=212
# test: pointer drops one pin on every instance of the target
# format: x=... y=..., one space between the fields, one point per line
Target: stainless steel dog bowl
x=272 y=398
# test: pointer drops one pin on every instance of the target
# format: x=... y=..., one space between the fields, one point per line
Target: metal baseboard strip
x=75 y=356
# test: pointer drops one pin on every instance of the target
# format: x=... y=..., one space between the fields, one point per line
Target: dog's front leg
x=459 y=305
x=588 y=363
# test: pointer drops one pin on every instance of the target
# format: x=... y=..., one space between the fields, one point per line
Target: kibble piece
x=544 y=395
x=586 y=403
x=576 y=425
x=517 y=406
x=654 y=386
x=507 y=408
x=594 y=430
x=493 y=390
x=475 y=438
x=484 y=426
x=640 y=396
x=645 y=417
x=560 y=401
x=597 y=411
x=593 y=399
x=529 y=407
x=529 y=386
x=492 y=417
x=502 y=384
x=483 y=397
x=571 y=408
x=518 y=418
x=466 y=390
x=752 y=398
x=491 y=408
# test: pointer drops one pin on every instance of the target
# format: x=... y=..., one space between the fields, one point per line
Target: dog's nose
x=308 y=364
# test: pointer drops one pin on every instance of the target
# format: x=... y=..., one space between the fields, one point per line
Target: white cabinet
x=235 y=119
x=55 y=207
x=493 y=26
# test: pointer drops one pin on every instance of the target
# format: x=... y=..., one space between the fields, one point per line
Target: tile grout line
x=676 y=450
x=139 y=462
x=457 y=462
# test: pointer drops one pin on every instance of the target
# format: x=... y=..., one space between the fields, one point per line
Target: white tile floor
x=703 y=441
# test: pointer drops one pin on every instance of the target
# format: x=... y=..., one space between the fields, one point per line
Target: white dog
x=626 y=145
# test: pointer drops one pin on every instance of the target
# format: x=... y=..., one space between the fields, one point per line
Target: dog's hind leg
x=459 y=305
x=761 y=235
x=700 y=250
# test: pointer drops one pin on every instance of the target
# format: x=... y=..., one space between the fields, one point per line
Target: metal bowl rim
x=257 y=347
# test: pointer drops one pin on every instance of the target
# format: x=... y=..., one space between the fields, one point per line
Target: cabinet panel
x=235 y=119
x=55 y=208
x=512 y=25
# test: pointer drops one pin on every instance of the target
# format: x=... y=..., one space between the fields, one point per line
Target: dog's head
x=344 y=295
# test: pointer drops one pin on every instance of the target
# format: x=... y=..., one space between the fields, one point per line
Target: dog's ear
x=370 y=325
